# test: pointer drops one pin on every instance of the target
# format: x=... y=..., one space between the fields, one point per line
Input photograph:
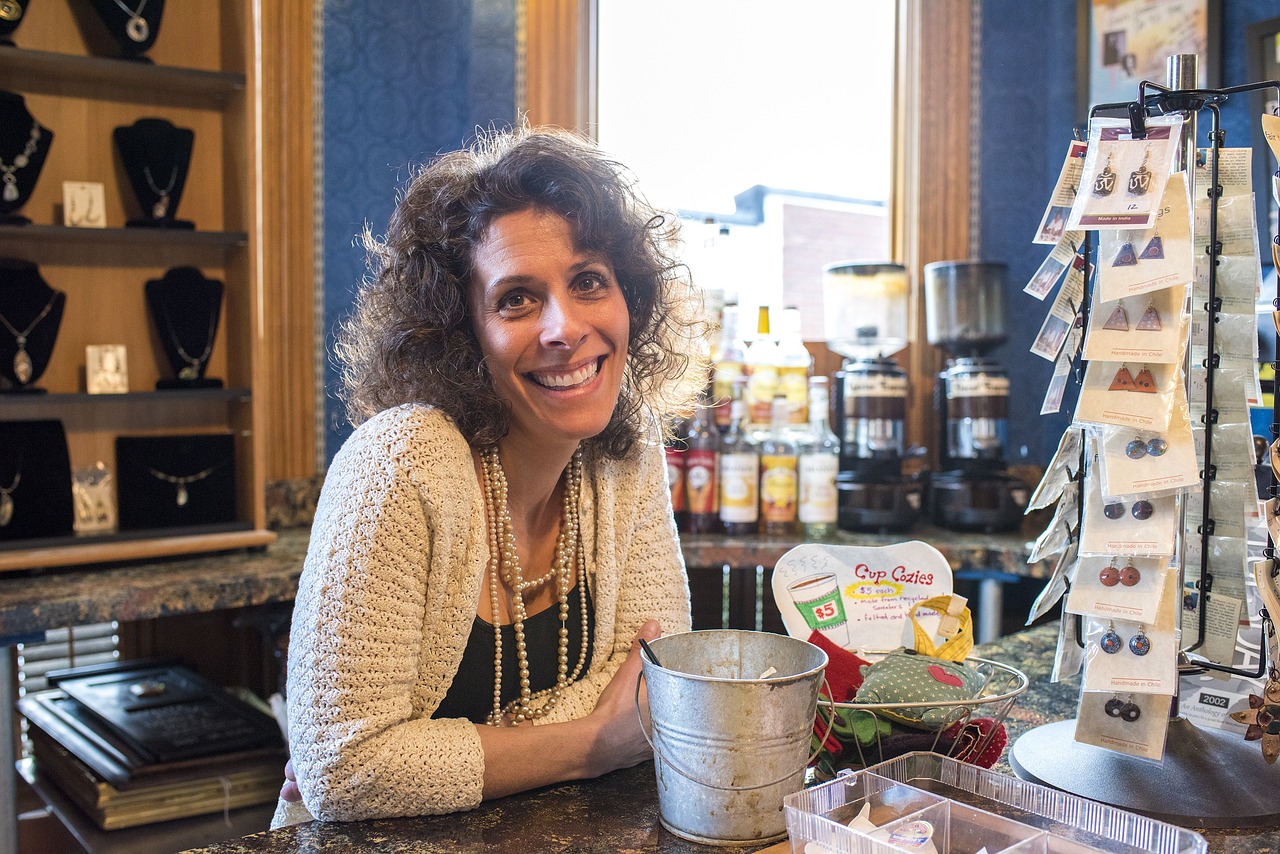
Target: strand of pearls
x=568 y=568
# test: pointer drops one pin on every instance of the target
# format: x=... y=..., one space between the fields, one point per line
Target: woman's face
x=552 y=325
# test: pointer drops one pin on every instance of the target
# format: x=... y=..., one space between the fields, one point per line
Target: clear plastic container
x=971 y=807
x=864 y=309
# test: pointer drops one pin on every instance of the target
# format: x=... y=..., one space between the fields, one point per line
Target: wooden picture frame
x=1262 y=61
x=1123 y=42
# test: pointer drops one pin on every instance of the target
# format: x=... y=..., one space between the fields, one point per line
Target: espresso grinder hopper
x=865 y=320
x=964 y=315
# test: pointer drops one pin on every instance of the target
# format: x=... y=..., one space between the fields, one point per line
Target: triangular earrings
x=1125 y=257
x=1155 y=248
x=1123 y=380
x=1119 y=320
x=1144 y=382
x=1150 y=320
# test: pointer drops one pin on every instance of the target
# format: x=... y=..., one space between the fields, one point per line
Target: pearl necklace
x=568 y=569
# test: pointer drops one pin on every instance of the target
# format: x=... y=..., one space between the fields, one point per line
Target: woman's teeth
x=573 y=378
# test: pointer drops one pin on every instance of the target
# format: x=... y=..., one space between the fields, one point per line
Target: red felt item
x=979 y=742
x=844 y=669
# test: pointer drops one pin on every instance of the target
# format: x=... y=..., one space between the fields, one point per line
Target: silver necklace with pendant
x=182 y=483
x=22 y=365
x=6 y=499
x=9 y=171
x=193 y=366
x=137 y=29
x=161 y=207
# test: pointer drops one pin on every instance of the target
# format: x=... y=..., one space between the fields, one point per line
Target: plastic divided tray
x=970 y=809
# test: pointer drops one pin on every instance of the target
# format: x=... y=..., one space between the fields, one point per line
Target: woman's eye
x=512 y=301
x=592 y=282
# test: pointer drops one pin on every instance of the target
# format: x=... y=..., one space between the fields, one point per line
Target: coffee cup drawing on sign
x=818 y=599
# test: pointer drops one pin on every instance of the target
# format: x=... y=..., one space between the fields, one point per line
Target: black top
x=471 y=694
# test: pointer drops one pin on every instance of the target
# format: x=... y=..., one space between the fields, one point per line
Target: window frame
x=933 y=181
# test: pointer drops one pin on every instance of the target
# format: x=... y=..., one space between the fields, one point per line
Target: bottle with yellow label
x=739 y=470
x=760 y=365
x=779 y=474
x=795 y=363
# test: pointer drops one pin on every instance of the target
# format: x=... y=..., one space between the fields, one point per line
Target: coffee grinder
x=865 y=320
x=964 y=315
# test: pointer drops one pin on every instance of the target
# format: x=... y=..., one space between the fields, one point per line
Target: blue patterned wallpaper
x=402 y=82
x=1028 y=112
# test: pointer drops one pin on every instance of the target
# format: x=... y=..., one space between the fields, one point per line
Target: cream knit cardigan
x=387 y=600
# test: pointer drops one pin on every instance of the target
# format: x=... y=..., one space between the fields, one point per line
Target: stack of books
x=133 y=743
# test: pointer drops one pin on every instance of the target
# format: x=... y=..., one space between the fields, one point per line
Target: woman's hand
x=622 y=743
x=289 y=791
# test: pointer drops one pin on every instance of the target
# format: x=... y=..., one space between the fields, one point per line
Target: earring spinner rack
x=1208 y=777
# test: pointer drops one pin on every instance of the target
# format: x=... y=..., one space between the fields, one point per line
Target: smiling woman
x=496 y=534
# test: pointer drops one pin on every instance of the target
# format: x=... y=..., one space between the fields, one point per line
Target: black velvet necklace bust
x=156 y=156
x=24 y=145
x=12 y=13
x=185 y=307
x=122 y=28
x=32 y=313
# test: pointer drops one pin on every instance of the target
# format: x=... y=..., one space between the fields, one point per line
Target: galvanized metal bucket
x=730 y=739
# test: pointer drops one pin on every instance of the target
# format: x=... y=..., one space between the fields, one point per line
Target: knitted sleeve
x=640 y=572
x=370 y=627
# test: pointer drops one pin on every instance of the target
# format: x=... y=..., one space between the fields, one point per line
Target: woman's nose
x=563 y=322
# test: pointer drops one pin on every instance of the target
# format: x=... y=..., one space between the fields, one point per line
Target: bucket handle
x=663 y=759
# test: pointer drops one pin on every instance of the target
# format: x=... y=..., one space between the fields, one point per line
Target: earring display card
x=1054 y=220
x=1113 y=657
x=1133 y=394
x=35 y=481
x=1132 y=526
x=1149 y=328
x=1062 y=316
x=1119 y=587
x=106 y=369
x=1050 y=270
x=1134 y=724
x=175 y=481
x=1124 y=178
x=94 y=491
x=1136 y=462
x=1132 y=262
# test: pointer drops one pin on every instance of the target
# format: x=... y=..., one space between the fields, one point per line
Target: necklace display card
x=176 y=481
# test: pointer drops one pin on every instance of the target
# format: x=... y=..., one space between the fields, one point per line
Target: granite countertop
x=36 y=600
x=619 y=812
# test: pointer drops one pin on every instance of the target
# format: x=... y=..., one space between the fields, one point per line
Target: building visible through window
x=769 y=130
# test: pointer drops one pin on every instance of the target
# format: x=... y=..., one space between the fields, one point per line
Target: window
x=768 y=127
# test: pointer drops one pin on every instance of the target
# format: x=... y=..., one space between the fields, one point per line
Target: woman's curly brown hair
x=410 y=337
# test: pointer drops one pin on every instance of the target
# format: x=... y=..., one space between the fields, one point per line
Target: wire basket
x=1001 y=685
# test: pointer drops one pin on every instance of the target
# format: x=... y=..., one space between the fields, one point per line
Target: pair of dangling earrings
x=1137 y=448
x=1112 y=643
x=1126 y=257
x=1119 y=320
x=1139 y=179
x=1144 y=382
x=1125 y=711
x=1128 y=575
x=1141 y=510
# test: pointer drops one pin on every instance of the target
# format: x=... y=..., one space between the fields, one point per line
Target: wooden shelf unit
x=196 y=79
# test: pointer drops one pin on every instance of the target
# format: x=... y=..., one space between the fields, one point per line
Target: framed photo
x=1262 y=55
x=83 y=204
x=1123 y=42
x=106 y=370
